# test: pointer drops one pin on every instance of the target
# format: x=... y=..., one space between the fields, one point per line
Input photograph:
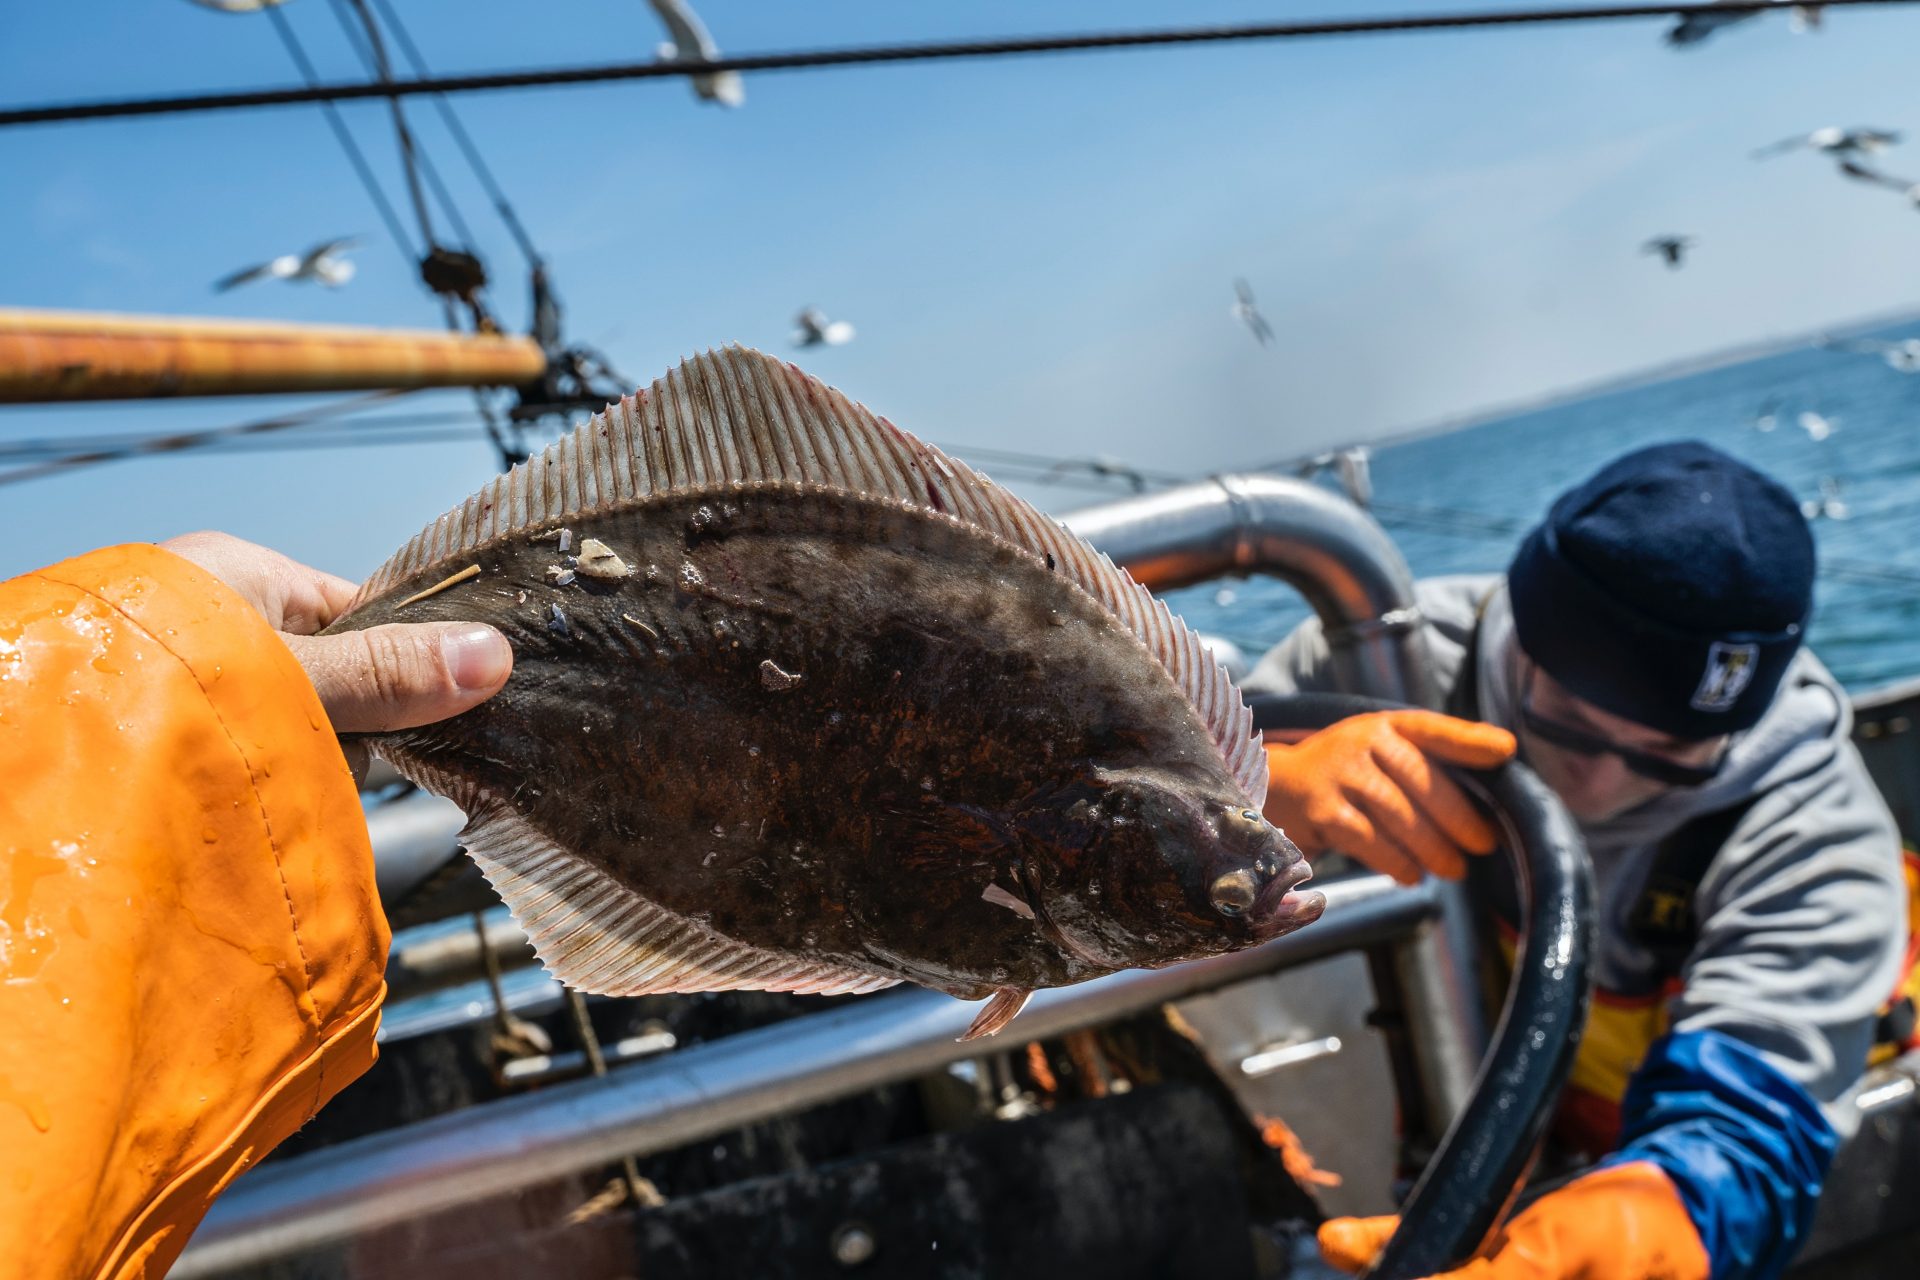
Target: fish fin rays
x=596 y=935
x=738 y=416
x=1003 y=1007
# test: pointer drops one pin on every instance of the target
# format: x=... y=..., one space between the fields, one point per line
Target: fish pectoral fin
x=1004 y=1006
x=597 y=935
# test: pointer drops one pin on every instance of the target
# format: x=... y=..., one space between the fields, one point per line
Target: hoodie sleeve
x=1802 y=929
x=191 y=948
x=1802 y=939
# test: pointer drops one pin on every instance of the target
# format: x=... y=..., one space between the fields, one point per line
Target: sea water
x=1459 y=502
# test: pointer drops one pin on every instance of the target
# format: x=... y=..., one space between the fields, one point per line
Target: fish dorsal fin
x=598 y=936
x=740 y=417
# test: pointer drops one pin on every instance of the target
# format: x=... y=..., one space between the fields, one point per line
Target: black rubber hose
x=1468 y=1184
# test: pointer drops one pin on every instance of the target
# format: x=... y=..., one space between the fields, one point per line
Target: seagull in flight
x=691 y=43
x=1874 y=177
x=817 y=331
x=1829 y=505
x=1247 y=312
x=1817 y=426
x=1695 y=28
x=324 y=263
x=1834 y=141
x=1671 y=248
x=1902 y=356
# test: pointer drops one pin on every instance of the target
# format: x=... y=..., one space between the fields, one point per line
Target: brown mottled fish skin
x=799 y=703
x=962 y=717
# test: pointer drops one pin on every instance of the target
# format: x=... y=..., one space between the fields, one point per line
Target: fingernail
x=477 y=657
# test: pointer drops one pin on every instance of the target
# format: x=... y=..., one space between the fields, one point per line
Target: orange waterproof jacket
x=191 y=950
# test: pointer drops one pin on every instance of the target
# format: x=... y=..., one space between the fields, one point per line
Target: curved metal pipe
x=1328 y=549
x=1466 y=1187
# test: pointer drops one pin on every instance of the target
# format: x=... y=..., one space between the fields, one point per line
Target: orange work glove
x=1624 y=1222
x=1369 y=786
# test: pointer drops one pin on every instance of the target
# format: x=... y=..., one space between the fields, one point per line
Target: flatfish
x=799 y=703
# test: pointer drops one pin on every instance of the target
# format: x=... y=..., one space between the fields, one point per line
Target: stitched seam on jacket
x=253 y=781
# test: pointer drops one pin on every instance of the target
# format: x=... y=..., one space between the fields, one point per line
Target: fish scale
x=821 y=709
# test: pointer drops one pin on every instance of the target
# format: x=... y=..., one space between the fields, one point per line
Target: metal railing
x=702 y=1090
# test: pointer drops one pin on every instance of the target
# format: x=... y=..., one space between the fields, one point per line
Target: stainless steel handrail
x=696 y=1092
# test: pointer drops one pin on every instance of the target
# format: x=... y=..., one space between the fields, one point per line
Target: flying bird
x=1902 y=356
x=1694 y=28
x=1817 y=426
x=1247 y=312
x=817 y=331
x=1829 y=505
x=691 y=43
x=324 y=263
x=1834 y=141
x=1671 y=248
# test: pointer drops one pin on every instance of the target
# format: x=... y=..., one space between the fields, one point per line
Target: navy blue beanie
x=1672 y=588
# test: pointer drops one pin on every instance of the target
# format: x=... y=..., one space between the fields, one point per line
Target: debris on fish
x=772 y=677
x=1000 y=897
x=598 y=560
x=471 y=571
x=928 y=623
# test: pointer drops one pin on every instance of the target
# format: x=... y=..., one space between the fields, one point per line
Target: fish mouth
x=1280 y=907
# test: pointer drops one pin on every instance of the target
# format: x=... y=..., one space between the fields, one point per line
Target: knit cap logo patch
x=1729 y=670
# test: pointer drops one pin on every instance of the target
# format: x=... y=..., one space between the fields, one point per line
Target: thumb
x=403 y=674
x=1351 y=1244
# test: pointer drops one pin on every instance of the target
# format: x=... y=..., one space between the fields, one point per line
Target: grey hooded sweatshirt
x=1802 y=914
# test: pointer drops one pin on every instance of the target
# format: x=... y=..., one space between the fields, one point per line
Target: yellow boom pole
x=54 y=356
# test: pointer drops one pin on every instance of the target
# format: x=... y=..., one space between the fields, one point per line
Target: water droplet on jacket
x=36 y=1109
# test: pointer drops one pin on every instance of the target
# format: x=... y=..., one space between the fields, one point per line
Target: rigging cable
x=176 y=442
x=355 y=156
x=404 y=136
x=475 y=161
x=364 y=37
x=881 y=54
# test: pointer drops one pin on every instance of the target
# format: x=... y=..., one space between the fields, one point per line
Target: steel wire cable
x=462 y=139
x=355 y=156
x=899 y=53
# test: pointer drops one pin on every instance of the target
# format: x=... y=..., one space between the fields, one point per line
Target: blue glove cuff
x=1747 y=1148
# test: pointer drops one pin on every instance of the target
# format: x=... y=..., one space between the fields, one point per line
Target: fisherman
x=191 y=946
x=1644 y=652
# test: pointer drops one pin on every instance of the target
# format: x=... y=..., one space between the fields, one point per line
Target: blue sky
x=1038 y=252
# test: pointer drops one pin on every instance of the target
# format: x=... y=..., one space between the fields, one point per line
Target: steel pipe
x=59 y=356
x=1328 y=549
x=696 y=1092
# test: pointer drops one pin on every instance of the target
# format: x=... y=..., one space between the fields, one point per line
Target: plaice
x=793 y=690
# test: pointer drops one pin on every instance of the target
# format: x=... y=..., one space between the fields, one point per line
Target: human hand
x=1623 y=1222
x=387 y=677
x=1369 y=786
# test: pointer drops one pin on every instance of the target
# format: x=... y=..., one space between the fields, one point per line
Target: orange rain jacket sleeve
x=191 y=949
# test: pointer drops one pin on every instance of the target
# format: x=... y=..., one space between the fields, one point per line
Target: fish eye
x=1250 y=815
x=1234 y=892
